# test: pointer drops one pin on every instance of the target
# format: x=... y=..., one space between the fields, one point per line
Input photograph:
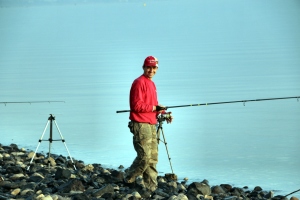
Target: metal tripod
x=51 y=119
x=160 y=129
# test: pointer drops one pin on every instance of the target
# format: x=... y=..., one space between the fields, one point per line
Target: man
x=144 y=109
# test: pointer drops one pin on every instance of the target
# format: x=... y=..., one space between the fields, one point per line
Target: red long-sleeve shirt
x=142 y=98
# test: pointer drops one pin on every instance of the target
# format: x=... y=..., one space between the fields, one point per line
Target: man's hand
x=160 y=108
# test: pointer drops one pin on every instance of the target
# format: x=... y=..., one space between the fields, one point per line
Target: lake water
x=88 y=54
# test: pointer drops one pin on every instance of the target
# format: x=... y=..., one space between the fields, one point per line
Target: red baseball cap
x=151 y=61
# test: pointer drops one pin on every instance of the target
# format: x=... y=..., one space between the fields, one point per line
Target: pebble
x=15 y=192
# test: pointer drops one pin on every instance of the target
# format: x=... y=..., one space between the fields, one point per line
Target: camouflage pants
x=145 y=144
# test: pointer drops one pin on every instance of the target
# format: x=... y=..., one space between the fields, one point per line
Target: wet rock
x=257 y=188
x=12 y=147
x=231 y=198
x=62 y=173
x=217 y=190
x=105 y=189
x=36 y=177
x=29 y=185
x=161 y=193
x=16 y=191
x=14 y=169
x=173 y=189
x=60 y=160
x=198 y=188
x=9 y=185
x=269 y=195
x=17 y=177
x=179 y=197
x=279 y=197
x=237 y=192
x=6 y=156
x=78 y=165
x=226 y=187
x=30 y=154
x=27 y=192
x=181 y=188
x=88 y=168
x=117 y=176
x=80 y=197
x=72 y=185
x=5 y=196
x=17 y=153
x=47 y=190
x=50 y=161
x=47 y=197
x=136 y=195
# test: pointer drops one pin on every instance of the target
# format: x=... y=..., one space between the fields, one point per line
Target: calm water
x=88 y=56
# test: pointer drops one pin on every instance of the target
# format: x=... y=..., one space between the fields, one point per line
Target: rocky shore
x=58 y=178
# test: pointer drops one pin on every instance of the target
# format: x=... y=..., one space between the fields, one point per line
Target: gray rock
x=161 y=193
x=35 y=178
x=9 y=185
x=237 y=192
x=62 y=173
x=17 y=177
x=198 y=188
x=30 y=185
x=257 y=188
x=279 y=197
x=80 y=197
x=226 y=187
x=231 y=198
x=14 y=169
x=269 y=195
x=105 y=189
x=60 y=160
x=217 y=190
x=48 y=190
x=72 y=185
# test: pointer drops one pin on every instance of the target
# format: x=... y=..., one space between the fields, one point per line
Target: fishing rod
x=30 y=102
x=225 y=102
x=292 y=193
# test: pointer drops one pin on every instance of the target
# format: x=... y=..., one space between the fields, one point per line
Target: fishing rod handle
x=121 y=111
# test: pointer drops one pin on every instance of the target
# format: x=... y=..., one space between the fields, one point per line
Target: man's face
x=149 y=71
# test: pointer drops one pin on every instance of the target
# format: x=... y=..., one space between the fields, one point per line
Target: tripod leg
x=40 y=140
x=63 y=140
x=158 y=134
x=167 y=149
x=51 y=118
x=49 y=153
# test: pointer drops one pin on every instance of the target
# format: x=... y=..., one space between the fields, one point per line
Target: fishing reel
x=165 y=116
